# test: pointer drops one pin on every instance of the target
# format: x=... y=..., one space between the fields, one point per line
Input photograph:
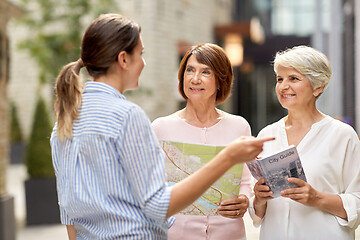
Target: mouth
x=288 y=95
x=197 y=89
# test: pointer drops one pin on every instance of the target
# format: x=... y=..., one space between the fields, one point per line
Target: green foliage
x=38 y=152
x=15 y=130
x=56 y=31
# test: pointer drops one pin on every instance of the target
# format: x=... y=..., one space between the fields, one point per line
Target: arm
x=71 y=232
x=185 y=192
x=262 y=195
x=308 y=196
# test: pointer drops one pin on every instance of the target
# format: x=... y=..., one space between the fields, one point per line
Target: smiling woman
x=205 y=79
x=210 y=57
x=327 y=205
x=293 y=89
x=199 y=82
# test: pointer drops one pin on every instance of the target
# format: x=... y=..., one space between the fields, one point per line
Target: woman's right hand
x=262 y=195
x=245 y=149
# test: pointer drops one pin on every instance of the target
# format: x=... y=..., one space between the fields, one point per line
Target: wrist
x=319 y=200
x=259 y=203
x=229 y=157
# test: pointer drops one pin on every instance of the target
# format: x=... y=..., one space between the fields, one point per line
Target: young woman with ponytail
x=108 y=164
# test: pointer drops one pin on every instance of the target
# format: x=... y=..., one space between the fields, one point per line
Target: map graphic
x=183 y=159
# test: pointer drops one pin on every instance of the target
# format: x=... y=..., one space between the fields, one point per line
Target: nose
x=284 y=85
x=196 y=79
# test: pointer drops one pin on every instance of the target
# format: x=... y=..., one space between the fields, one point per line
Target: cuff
x=256 y=219
x=64 y=218
x=352 y=210
x=157 y=207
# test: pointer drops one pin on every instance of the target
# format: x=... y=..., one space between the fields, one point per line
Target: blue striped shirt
x=110 y=176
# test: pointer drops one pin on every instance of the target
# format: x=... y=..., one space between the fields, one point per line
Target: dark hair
x=103 y=40
x=215 y=57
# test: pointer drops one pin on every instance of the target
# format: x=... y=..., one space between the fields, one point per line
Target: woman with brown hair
x=205 y=80
x=108 y=164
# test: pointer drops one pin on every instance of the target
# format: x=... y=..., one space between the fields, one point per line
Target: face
x=136 y=65
x=199 y=81
x=293 y=89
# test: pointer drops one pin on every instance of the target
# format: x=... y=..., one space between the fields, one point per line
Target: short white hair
x=309 y=62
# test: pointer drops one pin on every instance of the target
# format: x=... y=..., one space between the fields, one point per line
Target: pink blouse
x=229 y=128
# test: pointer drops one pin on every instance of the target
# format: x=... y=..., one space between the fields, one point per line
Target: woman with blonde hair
x=327 y=206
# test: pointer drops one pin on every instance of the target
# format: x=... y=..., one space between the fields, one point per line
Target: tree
x=56 y=29
x=38 y=153
x=15 y=129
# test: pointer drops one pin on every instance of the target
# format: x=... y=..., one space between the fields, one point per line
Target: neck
x=200 y=115
x=113 y=77
x=304 y=118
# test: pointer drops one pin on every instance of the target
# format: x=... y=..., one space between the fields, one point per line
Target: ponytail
x=68 y=98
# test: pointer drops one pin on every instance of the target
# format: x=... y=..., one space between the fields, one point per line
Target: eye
x=206 y=72
x=189 y=69
x=279 y=79
x=294 y=79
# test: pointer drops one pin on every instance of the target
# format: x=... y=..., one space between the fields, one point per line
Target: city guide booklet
x=277 y=168
x=183 y=159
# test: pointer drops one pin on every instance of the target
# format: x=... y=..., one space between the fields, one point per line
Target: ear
x=123 y=60
x=318 y=91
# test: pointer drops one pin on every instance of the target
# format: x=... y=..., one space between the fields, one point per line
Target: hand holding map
x=234 y=207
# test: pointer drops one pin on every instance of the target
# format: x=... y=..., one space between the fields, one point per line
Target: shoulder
x=135 y=114
x=165 y=121
x=112 y=114
x=235 y=120
x=170 y=126
x=234 y=123
x=342 y=128
x=124 y=110
x=268 y=130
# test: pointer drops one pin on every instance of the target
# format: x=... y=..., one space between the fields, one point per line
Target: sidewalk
x=16 y=174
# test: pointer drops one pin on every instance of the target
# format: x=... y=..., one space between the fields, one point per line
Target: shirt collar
x=93 y=87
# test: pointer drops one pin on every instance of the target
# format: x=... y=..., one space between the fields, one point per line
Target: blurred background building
x=252 y=30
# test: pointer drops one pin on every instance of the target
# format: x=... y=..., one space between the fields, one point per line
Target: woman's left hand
x=308 y=196
x=234 y=207
x=304 y=194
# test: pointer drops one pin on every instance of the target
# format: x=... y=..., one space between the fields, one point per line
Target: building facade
x=168 y=28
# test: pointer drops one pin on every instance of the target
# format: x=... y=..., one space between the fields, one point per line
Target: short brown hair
x=215 y=57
